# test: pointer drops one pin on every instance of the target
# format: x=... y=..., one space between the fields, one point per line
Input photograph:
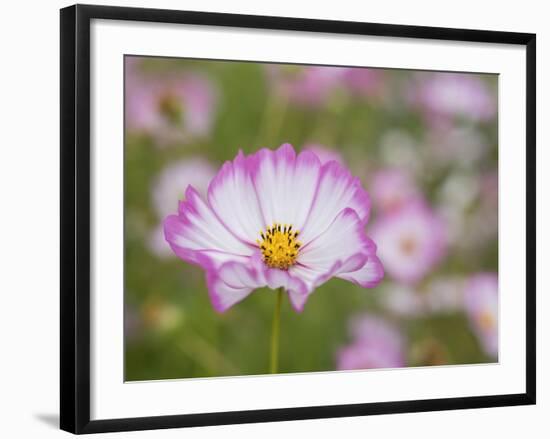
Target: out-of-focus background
x=424 y=145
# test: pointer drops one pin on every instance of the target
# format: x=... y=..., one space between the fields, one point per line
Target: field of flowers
x=424 y=146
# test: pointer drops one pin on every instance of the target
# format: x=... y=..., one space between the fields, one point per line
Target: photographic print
x=287 y=218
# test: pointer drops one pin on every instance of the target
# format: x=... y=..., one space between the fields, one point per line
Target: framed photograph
x=274 y=218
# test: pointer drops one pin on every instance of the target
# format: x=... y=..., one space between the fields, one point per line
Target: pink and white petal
x=343 y=239
x=231 y=282
x=337 y=190
x=196 y=227
x=368 y=276
x=314 y=279
x=311 y=279
x=298 y=299
x=285 y=184
x=276 y=278
x=174 y=229
x=344 y=251
x=240 y=275
x=224 y=296
x=233 y=198
x=297 y=290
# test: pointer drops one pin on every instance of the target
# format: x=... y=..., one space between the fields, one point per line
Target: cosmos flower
x=172 y=108
x=454 y=95
x=376 y=344
x=276 y=219
x=309 y=86
x=169 y=187
x=412 y=240
x=481 y=305
x=392 y=189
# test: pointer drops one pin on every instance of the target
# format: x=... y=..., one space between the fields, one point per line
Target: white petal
x=232 y=282
x=197 y=228
x=285 y=184
x=343 y=239
x=232 y=197
x=368 y=276
x=337 y=190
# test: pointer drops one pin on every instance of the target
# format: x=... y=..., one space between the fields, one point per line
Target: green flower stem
x=275 y=330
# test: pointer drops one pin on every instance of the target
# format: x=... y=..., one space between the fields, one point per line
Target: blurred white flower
x=169 y=188
x=398 y=149
x=461 y=146
x=444 y=294
x=402 y=300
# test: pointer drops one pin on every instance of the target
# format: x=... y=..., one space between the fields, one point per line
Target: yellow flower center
x=279 y=246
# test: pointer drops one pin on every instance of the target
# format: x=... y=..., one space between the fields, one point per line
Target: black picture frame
x=76 y=210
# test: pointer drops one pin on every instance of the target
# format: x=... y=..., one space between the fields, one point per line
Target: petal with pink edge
x=285 y=184
x=197 y=229
x=233 y=281
x=343 y=250
x=233 y=198
x=337 y=190
x=313 y=278
x=224 y=296
x=368 y=276
x=343 y=239
x=230 y=283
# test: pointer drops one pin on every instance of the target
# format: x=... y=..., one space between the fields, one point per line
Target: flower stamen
x=279 y=246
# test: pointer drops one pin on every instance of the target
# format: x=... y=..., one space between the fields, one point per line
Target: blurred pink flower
x=173 y=108
x=324 y=153
x=276 y=219
x=454 y=94
x=411 y=241
x=363 y=80
x=169 y=188
x=376 y=344
x=481 y=304
x=305 y=85
x=392 y=189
